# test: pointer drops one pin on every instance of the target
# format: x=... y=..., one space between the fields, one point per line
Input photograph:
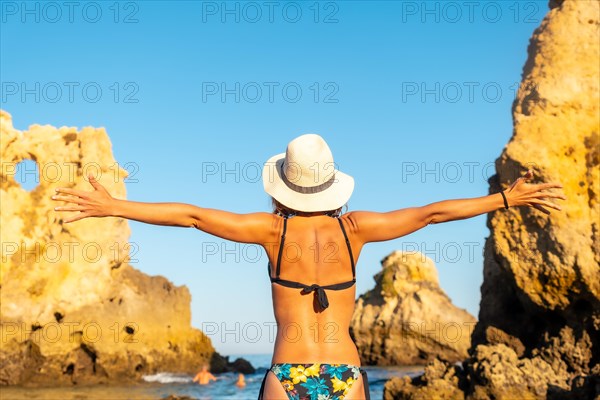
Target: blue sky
x=414 y=99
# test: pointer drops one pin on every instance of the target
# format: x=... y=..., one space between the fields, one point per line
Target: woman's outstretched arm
x=376 y=227
x=245 y=228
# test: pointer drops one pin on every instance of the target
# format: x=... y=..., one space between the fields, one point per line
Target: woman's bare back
x=314 y=252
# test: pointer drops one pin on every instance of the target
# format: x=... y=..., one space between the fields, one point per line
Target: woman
x=312 y=250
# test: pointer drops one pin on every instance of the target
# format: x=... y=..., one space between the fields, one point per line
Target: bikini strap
x=363 y=373
x=281 y=247
x=349 y=247
x=262 y=386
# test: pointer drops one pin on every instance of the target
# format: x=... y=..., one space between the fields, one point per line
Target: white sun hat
x=304 y=178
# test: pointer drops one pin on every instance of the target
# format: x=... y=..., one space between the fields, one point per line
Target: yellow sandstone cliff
x=538 y=334
x=407 y=319
x=72 y=309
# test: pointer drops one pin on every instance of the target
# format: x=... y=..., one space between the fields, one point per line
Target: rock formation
x=73 y=310
x=539 y=321
x=407 y=319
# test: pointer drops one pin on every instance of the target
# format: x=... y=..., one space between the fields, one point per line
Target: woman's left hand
x=97 y=203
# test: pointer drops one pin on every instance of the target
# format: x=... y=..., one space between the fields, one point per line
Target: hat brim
x=332 y=198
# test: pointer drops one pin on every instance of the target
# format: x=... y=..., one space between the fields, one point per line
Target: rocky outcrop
x=438 y=381
x=219 y=363
x=407 y=318
x=538 y=334
x=72 y=309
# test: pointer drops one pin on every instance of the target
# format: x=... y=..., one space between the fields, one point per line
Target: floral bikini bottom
x=316 y=381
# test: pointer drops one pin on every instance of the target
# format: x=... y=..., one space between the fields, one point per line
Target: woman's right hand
x=521 y=193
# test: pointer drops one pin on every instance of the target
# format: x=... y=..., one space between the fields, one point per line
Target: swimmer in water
x=241 y=382
x=204 y=377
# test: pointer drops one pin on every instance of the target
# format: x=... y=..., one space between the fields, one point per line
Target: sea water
x=165 y=383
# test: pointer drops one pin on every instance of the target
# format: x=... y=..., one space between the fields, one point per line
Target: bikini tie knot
x=319 y=294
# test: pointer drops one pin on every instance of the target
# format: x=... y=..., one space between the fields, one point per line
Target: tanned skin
x=318 y=254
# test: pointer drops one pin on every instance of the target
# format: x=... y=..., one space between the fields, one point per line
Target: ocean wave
x=167 y=377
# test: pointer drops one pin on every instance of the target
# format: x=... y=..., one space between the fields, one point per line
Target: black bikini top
x=319 y=290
